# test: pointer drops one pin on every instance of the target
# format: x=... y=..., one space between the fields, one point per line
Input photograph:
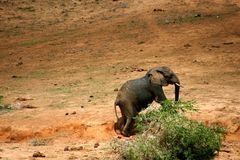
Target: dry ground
x=61 y=60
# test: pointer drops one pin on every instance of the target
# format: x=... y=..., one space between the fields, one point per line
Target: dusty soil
x=60 y=62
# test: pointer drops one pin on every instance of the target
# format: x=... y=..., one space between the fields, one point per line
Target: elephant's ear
x=157 y=78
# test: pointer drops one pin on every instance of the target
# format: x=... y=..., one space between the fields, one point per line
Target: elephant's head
x=164 y=76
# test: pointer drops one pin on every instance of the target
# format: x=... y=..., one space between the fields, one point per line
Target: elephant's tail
x=115 y=108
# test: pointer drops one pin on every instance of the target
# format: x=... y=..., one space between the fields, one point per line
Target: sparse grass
x=58 y=105
x=63 y=89
x=67 y=88
x=167 y=134
x=133 y=24
x=27 y=8
x=190 y=18
x=14 y=31
x=4 y=108
x=33 y=42
x=39 y=142
x=38 y=74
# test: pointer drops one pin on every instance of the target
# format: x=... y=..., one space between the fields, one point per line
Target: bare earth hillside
x=62 y=61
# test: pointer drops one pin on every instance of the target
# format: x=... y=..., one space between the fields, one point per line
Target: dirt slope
x=60 y=62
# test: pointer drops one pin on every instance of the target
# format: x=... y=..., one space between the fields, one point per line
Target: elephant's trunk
x=177 y=90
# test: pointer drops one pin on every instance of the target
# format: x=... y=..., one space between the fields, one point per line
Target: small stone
x=187 y=45
x=205 y=82
x=72 y=157
x=66 y=148
x=14 y=76
x=77 y=148
x=73 y=113
x=215 y=46
x=21 y=99
x=28 y=106
x=227 y=43
x=38 y=154
x=140 y=69
x=158 y=10
x=197 y=15
x=141 y=42
x=116 y=89
x=82 y=106
x=91 y=96
x=96 y=145
x=66 y=114
x=19 y=63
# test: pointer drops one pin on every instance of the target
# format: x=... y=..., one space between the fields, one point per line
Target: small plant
x=4 y=107
x=167 y=134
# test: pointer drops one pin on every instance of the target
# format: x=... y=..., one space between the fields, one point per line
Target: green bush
x=165 y=133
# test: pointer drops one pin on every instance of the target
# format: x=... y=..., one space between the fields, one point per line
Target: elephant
x=135 y=95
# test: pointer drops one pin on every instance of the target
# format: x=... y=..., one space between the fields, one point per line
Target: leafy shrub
x=168 y=134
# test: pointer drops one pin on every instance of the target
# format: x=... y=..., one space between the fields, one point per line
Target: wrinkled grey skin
x=136 y=94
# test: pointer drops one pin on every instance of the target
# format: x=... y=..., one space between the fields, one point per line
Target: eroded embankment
x=100 y=132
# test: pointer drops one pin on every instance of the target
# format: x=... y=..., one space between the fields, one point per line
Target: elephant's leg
x=128 y=112
x=126 y=128
x=119 y=125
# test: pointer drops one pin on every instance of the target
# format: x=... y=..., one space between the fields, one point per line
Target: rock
x=38 y=154
x=67 y=148
x=215 y=46
x=21 y=99
x=77 y=148
x=227 y=43
x=187 y=45
x=197 y=15
x=72 y=157
x=158 y=10
x=96 y=145
x=140 y=69
x=19 y=63
x=116 y=89
x=141 y=42
x=28 y=106
x=14 y=76
x=73 y=113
